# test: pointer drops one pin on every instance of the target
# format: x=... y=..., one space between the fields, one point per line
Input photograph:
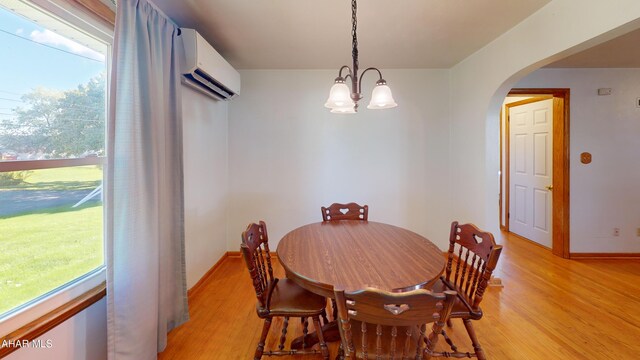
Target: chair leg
x=323 y=345
x=263 y=337
x=449 y=323
x=334 y=307
x=474 y=340
x=283 y=337
x=448 y=340
x=340 y=355
x=305 y=331
x=324 y=317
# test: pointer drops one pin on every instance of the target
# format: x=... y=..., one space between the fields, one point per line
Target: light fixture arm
x=379 y=82
x=342 y=68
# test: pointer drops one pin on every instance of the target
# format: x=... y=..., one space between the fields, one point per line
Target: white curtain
x=146 y=285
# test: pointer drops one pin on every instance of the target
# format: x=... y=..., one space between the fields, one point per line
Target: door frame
x=560 y=193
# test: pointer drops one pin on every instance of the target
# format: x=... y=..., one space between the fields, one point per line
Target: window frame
x=49 y=310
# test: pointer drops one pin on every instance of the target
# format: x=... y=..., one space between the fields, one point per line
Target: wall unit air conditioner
x=205 y=70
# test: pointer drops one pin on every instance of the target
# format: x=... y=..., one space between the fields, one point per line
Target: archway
x=483 y=80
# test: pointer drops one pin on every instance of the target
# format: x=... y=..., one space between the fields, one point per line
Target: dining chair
x=473 y=254
x=279 y=297
x=350 y=211
x=337 y=211
x=385 y=325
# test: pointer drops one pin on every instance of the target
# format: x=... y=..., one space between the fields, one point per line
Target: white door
x=530 y=166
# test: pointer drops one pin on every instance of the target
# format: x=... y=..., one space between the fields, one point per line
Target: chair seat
x=461 y=308
x=289 y=299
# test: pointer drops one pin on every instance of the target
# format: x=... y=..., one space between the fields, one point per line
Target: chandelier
x=343 y=100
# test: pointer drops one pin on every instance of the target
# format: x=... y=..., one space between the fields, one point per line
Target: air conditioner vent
x=206 y=70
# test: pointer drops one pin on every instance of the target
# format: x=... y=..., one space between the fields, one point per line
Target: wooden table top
x=354 y=254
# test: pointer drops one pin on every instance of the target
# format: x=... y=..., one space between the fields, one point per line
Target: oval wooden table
x=355 y=254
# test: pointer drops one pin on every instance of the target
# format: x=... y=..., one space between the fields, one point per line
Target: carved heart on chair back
x=396 y=309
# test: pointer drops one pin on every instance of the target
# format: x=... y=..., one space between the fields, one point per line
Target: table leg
x=330 y=331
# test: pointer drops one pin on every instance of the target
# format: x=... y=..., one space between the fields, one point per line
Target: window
x=52 y=150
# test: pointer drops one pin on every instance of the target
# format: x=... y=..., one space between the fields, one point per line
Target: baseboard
x=605 y=256
x=195 y=288
x=529 y=241
x=229 y=254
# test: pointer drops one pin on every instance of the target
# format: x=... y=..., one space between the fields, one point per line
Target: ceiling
x=621 y=52
x=316 y=34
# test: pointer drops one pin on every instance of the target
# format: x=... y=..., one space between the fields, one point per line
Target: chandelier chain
x=343 y=100
x=354 y=34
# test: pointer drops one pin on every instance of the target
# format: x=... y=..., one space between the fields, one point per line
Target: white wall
x=288 y=155
x=482 y=80
x=205 y=181
x=82 y=337
x=605 y=193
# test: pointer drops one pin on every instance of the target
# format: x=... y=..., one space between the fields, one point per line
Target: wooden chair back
x=389 y=325
x=350 y=211
x=475 y=254
x=255 y=250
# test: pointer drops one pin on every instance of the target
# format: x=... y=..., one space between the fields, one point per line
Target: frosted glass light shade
x=339 y=97
x=344 y=110
x=381 y=98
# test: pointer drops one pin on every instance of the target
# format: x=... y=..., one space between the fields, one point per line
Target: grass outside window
x=48 y=242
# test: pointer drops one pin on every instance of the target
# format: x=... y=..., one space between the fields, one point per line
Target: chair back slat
x=407 y=343
x=350 y=211
x=383 y=313
x=479 y=268
x=260 y=260
x=363 y=329
x=477 y=257
x=470 y=275
x=420 y=342
x=465 y=265
x=458 y=266
x=345 y=324
x=378 y=341
x=255 y=251
x=392 y=345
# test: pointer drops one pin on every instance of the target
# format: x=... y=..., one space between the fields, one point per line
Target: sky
x=25 y=65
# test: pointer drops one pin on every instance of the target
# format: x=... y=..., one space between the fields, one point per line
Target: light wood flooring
x=549 y=308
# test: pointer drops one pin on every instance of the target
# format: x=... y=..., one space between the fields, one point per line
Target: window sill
x=35 y=320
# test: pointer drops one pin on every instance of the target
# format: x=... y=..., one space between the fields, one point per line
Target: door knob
x=549 y=187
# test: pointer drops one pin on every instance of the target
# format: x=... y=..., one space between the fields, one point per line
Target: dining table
x=354 y=255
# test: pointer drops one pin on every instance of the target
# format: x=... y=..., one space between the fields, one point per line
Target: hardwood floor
x=549 y=308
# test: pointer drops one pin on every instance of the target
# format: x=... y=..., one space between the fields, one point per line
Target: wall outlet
x=616 y=231
x=604 y=91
